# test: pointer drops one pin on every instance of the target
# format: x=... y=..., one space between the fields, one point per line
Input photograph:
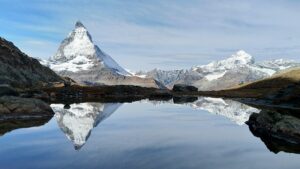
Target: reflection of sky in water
x=141 y=135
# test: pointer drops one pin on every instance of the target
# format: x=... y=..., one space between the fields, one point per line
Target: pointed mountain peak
x=78 y=52
x=243 y=57
x=79 y=25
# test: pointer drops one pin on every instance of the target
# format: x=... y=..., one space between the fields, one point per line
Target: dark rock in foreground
x=6 y=90
x=21 y=71
x=22 y=108
x=184 y=88
x=279 y=131
x=9 y=125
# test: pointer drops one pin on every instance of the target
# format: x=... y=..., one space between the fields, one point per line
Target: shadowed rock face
x=78 y=120
x=280 y=131
x=19 y=70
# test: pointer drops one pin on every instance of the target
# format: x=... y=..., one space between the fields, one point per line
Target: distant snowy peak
x=279 y=64
x=240 y=58
x=232 y=71
x=78 y=52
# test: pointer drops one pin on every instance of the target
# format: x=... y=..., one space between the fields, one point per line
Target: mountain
x=80 y=59
x=19 y=70
x=233 y=110
x=237 y=69
x=78 y=120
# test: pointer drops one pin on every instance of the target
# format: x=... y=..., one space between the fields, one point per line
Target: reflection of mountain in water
x=235 y=111
x=78 y=120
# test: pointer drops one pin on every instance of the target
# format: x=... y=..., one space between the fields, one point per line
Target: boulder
x=21 y=71
x=280 y=131
x=22 y=108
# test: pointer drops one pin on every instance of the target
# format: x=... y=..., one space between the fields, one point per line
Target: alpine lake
x=204 y=133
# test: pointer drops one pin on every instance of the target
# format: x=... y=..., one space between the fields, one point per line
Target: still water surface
x=209 y=133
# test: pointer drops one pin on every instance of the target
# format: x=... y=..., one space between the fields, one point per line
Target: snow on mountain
x=78 y=52
x=233 y=110
x=238 y=68
x=238 y=59
x=278 y=64
x=78 y=120
x=83 y=61
x=165 y=77
x=218 y=69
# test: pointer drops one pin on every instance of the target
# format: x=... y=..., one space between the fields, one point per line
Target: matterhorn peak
x=79 y=53
x=79 y=25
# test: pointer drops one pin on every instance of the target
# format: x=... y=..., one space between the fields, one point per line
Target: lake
x=209 y=133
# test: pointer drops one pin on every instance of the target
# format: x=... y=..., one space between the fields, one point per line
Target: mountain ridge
x=237 y=69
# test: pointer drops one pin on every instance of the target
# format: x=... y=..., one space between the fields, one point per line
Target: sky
x=165 y=34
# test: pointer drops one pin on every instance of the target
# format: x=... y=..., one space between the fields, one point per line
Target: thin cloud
x=179 y=31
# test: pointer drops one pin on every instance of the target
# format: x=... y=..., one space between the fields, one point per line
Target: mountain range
x=235 y=70
x=80 y=59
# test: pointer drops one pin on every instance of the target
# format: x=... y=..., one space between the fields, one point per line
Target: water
x=208 y=133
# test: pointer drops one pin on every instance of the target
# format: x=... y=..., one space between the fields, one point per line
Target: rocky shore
x=12 y=107
x=278 y=129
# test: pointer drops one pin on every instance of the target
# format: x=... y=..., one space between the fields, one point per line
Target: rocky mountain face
x=21 y=71
x=238 y=69
x=80 y=59
x=78 y=120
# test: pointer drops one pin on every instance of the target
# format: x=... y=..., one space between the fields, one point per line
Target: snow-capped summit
x=80 y=59
x=238 y=59
x=78 y=52
x=242 y=57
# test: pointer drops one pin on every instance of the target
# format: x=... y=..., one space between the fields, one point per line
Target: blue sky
x=165 y=34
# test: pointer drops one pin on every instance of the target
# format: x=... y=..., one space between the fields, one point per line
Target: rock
x=21 y=71
x=6 y=90
x=23 y=108
x=280 y=131
x=69 y=82
x=184 y=88
x=36 y=94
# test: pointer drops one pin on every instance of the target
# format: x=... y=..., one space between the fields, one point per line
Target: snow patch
x=215 y=76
